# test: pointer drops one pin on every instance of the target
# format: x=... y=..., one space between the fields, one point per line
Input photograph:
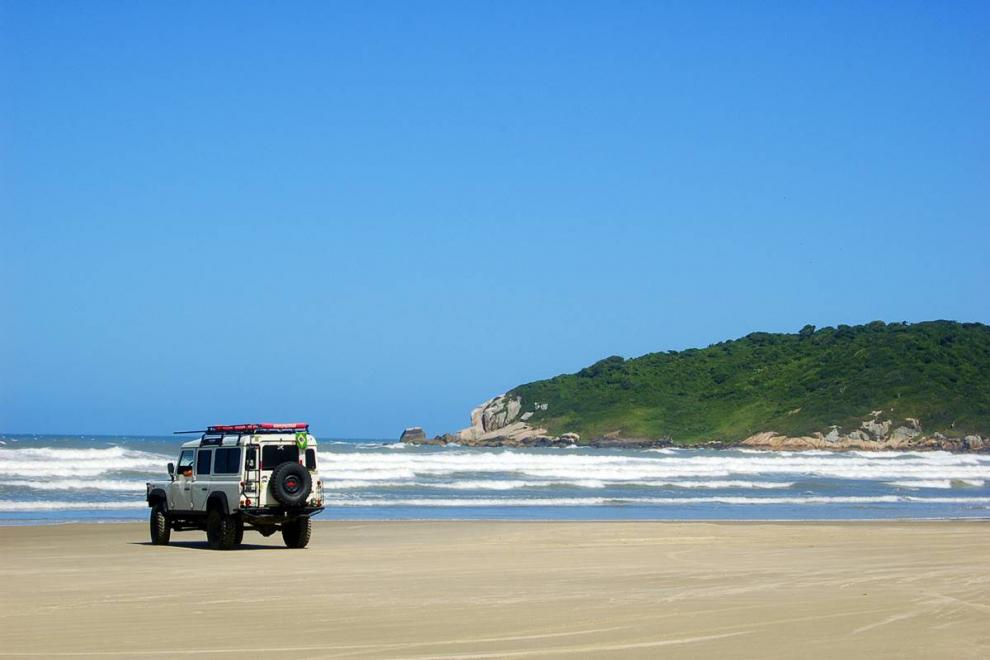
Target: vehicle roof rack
x=259 y=428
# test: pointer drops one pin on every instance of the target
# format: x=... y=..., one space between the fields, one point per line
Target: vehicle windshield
x=186 y=459
x=274 y=455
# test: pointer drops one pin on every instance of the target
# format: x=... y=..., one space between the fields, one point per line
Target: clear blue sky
x=371 y=215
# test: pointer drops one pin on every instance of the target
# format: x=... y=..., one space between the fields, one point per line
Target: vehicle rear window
x=310 y=459
x=274 y=455
x=203 y=457
x=228 y=461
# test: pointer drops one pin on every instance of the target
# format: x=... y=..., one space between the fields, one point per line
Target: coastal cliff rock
x=498 y=422
x=874 y=434
x=501 y=422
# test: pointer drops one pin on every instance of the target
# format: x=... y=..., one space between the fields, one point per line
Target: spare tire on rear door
x=291 y=484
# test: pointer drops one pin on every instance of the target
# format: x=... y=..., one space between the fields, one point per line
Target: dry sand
x=504 y=590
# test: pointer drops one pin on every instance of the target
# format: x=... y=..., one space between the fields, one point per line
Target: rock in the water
x=413 y=434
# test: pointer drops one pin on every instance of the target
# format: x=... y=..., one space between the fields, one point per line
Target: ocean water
x=45 y=479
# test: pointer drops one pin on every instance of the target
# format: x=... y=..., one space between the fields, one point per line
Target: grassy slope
x=795 y=384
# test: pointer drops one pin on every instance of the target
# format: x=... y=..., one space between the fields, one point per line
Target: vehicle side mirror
x=171 y=470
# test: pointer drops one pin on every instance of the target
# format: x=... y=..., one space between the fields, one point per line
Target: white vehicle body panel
x=241 y=484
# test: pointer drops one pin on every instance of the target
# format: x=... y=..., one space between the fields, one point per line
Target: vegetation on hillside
x=794 y=384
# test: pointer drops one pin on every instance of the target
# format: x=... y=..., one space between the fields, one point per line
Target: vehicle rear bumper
x=277 y=514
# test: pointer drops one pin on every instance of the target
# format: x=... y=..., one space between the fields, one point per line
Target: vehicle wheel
x=296 y=533
x=161 y=531
x=220 y=530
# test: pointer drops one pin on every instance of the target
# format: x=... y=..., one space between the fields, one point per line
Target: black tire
x=161 y=530
x=296 y=533
x=291 y=484
x=220 y=530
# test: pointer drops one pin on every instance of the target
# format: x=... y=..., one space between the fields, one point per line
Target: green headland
x=933 y=375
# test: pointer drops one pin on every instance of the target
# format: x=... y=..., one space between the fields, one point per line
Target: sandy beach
x=512 y=589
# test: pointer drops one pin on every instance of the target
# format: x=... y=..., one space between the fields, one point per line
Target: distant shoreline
x=764 y=441
x=553 y=521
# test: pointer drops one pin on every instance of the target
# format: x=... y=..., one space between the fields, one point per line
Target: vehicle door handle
x=202 y=487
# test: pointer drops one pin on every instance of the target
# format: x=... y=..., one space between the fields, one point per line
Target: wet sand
x=504 y=590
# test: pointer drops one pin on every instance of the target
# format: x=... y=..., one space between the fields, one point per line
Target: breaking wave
x=75 y=475
x=56 y=505
x=36 y=462
x=77 y=484
x=669 y=501
x=939 y=483
x=498 y=484
x=657 y=468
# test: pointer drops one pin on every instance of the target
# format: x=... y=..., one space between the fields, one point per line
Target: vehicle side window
x=310 y=459
x=186 y=459
x=228 y=460
x=203 y=457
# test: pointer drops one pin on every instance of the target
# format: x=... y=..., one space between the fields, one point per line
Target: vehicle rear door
x=274 y=454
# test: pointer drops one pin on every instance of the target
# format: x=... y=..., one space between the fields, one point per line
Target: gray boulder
x=413 y=434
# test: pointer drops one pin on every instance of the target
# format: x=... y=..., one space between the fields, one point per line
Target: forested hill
x=937 y=372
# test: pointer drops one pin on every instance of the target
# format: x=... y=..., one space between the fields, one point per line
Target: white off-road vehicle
x=246 y=476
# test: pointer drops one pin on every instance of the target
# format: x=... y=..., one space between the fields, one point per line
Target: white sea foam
x=77 y=484
x=568 y=467
x=939 y=483
x=726 y=484
x=53 y=505
x=668 y=501
x=34 y=462
x=505 y=484
x=16 y=505
x=360 y=475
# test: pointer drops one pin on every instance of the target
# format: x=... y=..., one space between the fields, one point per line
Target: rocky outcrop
x=413 y=434
x=874 y=434
x=499 y=421
x=502 y=422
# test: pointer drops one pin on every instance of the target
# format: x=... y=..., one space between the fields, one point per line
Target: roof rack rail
x=299 y=427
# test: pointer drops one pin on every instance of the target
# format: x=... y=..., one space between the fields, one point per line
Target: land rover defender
x=260 y=477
